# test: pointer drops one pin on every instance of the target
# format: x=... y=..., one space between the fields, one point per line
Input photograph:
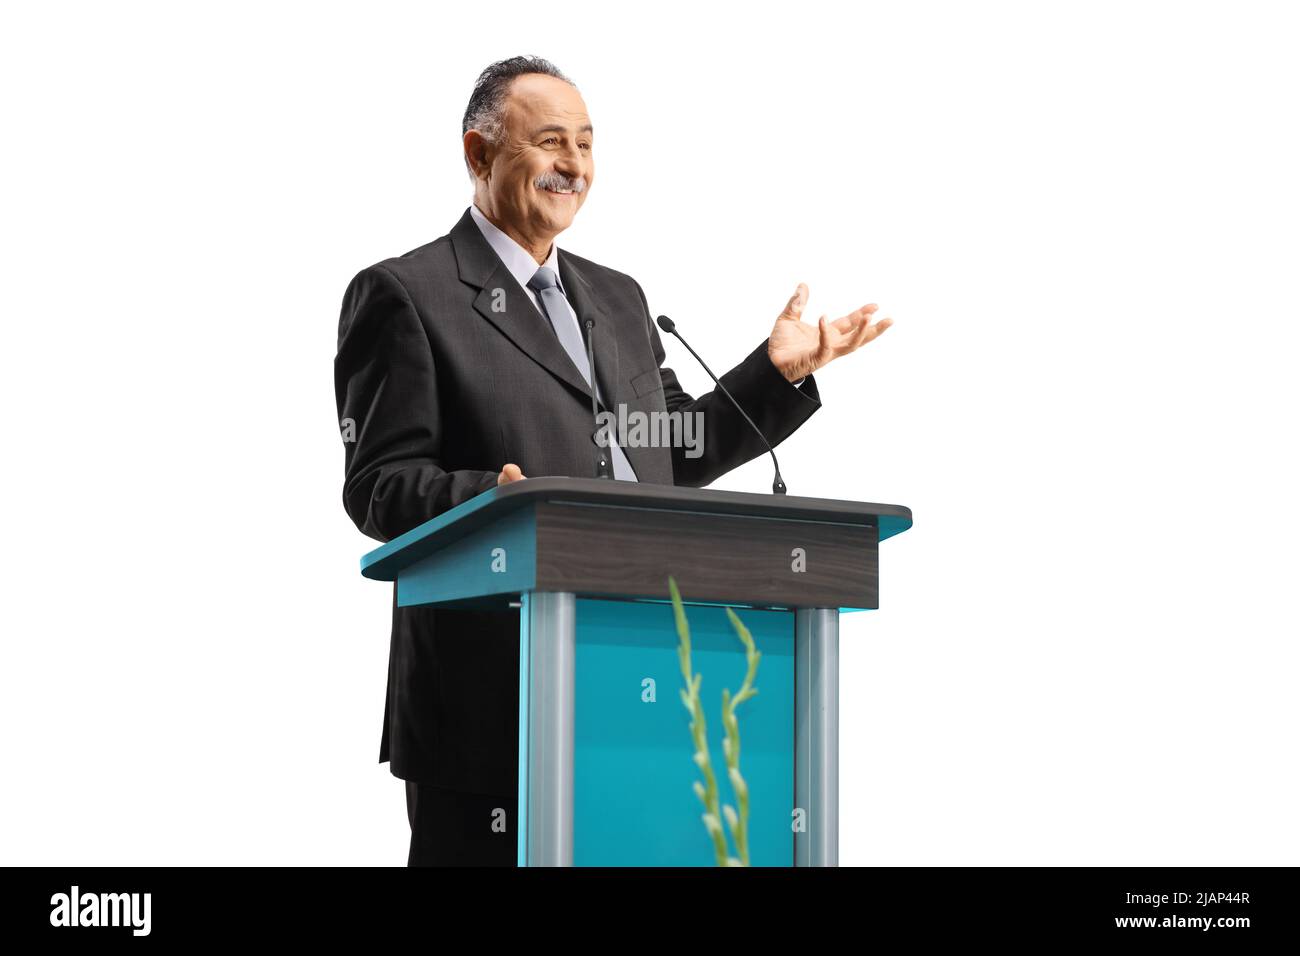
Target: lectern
x=605 y=757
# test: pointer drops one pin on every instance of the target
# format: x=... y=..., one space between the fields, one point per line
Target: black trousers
x=455 y=828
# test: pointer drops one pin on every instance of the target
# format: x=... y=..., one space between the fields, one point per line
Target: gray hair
x=487 y=104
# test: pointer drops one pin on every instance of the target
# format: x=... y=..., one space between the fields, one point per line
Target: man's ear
x=478 y=152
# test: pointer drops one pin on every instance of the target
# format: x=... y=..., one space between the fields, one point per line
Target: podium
x=605 y=756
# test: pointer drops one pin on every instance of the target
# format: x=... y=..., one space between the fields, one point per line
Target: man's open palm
x=799 y=348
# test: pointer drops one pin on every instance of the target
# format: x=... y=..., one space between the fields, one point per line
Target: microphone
x=603 y=468
x=667 y=324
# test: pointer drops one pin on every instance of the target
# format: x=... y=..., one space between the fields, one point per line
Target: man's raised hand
x=798 y=348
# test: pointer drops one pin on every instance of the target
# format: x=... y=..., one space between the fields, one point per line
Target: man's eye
x=551 y=139
x=586 y=146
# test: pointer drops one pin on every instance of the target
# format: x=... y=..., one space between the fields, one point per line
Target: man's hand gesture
x=798 y=348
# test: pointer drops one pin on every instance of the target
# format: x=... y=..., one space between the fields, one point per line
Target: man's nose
x=569 y=162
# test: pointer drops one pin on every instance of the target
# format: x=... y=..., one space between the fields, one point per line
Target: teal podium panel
x=633 y=797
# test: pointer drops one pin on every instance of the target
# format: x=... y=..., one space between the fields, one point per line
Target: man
x=462 y=365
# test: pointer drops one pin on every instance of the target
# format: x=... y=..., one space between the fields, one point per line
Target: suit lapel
x=504 y=303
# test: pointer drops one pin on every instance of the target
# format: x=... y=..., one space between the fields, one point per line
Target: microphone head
x=665 y=323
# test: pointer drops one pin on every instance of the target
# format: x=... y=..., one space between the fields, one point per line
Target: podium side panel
x=497 y=560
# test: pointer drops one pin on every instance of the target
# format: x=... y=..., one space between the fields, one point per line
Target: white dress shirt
x=520 y=262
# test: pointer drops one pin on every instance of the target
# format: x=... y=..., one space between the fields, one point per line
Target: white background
x=1082 y=217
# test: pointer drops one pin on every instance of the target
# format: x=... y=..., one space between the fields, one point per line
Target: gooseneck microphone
x=667 y=324
x=603 y=468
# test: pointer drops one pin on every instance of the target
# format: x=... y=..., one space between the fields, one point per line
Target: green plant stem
x=708 y=793
x=739 y=824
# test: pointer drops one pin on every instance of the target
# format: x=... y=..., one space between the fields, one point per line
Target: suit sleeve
x=385 y=388
x=776 y=406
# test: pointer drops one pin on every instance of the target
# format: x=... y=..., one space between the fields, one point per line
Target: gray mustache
x=560 y=181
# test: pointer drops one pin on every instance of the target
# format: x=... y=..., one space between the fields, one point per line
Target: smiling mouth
x=560 y=192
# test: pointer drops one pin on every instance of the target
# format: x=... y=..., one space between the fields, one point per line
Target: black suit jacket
x=442 y=390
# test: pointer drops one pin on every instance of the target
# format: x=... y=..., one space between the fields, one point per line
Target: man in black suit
x=461 y=366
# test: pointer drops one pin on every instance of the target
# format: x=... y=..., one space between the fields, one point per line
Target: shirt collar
x=513 y=256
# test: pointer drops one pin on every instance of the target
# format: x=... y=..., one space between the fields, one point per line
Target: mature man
x=463 y=365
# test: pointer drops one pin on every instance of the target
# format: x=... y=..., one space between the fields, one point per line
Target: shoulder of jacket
x=417 y=262
x=402 y=274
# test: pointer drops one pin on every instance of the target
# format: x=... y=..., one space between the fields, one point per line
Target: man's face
x=548 y=135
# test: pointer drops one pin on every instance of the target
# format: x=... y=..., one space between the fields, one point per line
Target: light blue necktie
x=556 y=308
